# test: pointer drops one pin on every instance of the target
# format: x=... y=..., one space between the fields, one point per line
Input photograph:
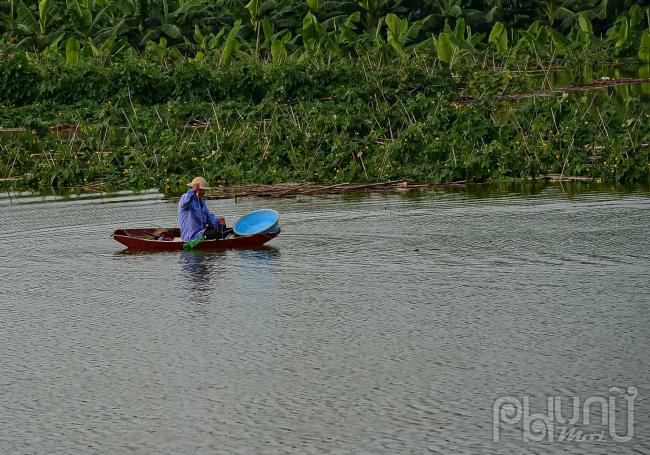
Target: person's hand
x=198 y=192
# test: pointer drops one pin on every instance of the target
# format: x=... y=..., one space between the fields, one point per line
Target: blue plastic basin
x=257 y=222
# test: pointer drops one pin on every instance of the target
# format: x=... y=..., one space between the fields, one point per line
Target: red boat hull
x=148 y=239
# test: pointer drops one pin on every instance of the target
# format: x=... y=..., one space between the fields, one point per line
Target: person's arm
x=214 y=220
x=186 y=199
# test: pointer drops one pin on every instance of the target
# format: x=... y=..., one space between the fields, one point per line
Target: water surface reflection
x=375 y=323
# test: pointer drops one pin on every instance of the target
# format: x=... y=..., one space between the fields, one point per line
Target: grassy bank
x=147 y=94
x=145 y=123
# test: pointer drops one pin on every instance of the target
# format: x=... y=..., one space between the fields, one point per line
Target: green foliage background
x=150 y=93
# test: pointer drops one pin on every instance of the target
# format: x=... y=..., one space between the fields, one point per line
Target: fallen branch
x=311 y=189
x=592 y=85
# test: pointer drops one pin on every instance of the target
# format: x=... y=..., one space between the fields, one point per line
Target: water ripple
x=384 y=323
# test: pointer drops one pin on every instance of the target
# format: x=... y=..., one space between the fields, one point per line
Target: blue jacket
x=193 y=216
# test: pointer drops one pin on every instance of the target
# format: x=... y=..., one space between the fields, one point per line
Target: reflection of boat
x=166 y=239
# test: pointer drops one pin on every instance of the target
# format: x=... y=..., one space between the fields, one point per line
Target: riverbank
x=293 y=189
x=137 y=124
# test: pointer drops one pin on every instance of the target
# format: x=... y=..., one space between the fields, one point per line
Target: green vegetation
x=146 y=93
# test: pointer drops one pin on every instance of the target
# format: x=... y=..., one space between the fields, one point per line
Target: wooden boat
x=168 y=239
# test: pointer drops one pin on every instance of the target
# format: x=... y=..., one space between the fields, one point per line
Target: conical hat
x=203 y=183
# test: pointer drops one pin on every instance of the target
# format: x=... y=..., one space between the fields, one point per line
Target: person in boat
x=194 y=217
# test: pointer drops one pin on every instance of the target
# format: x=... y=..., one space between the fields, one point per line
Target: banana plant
x=555 y=13
x=333 y=13
x=283 y=14
x=544 y=40
x=626 y=32
x=621 y=34
x=231 y=44
x=254 y=9
x=80 y=17
x=110 y=46
x=644 y=47
x=53 y=52
x=42 y=15
x=72 y=51
x=517 y=14
x=346 y=32
x=201 y=45
x=266 y=40
x=312 y=31
x=399 y=32
x=582 y=36
x=141 y=21
x=449 y=9
x=459 y=41
x=372 y=17
x=31 y=30
x=7 y=21
x=315 y=5
x=443 y=48
x=269 y=34
x=499 y=36
x=163 y=26
x=27 y=23
x=534 y=41
x=161 y=51
x=315 y=37
x=560 y=43
x=279 y=47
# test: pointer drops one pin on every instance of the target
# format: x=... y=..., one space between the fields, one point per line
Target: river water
x=374 y=324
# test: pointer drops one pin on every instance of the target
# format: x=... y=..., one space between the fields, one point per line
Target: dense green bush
x=380 y=132
x=137 y=122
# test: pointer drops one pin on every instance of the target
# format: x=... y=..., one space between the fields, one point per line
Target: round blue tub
x=257 y=222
